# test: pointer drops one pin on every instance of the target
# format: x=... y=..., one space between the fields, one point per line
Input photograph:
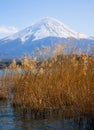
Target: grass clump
x=64 y=80
x=4 y=87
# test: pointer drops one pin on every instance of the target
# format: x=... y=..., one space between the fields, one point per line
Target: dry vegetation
x=6 y=84
x=65 y=80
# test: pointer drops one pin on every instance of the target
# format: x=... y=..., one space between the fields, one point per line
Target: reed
x=64 y=81
x=53 y=84
x=5 y=86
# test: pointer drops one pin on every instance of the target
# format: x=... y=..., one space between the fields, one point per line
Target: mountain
x=47 y=27
x=45 y=32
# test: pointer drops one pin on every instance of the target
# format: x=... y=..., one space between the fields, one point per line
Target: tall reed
x=64 y=80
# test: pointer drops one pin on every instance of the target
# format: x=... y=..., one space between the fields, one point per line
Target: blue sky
x=18 y=14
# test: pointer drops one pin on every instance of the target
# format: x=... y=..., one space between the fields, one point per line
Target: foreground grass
x=6 y=84
x=56 y=83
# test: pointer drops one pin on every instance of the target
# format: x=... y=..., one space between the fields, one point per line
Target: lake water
x=11 y=120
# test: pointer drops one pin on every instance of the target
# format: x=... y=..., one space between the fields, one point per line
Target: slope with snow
x=47 y=27
x=45 y=32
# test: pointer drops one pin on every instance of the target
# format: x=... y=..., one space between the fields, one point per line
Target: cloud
x=8 y=30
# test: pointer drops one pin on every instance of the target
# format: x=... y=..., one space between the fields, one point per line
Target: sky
x=16 y=15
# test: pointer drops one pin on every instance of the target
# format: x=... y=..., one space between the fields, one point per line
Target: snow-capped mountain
x=45 y=32
x=46 y=27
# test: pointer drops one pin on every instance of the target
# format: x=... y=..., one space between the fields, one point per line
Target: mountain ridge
x=44 y=28
x=45 y=32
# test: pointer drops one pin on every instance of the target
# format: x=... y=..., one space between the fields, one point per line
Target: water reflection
x=10 y=120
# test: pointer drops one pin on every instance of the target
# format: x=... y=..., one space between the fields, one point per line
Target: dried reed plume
x=64 y=80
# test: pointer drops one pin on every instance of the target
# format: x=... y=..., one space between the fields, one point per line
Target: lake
x=11 y=120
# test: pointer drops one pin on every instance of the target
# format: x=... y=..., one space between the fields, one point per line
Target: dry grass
x=4 y=88
x=56 y=83
x=66 y=80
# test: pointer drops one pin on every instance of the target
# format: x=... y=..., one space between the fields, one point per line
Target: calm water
x=10 y=120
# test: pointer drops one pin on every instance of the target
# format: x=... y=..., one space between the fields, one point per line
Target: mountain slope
x=45 y=32
x=47 y=27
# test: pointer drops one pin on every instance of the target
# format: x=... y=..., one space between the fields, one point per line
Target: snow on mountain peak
x=46 y=27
